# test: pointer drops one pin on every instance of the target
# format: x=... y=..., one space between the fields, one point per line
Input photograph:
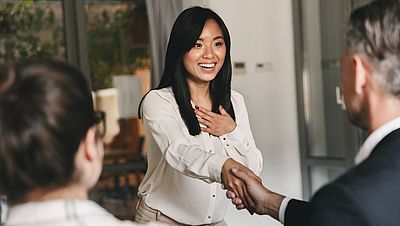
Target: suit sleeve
x=297 y=213
x=332 y=205
x=336 y=205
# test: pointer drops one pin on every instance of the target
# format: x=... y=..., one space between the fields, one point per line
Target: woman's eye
x=219 y=44
x=197 y=45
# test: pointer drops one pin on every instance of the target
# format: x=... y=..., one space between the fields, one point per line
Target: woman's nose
x=208 y=52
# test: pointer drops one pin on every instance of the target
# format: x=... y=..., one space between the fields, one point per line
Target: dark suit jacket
x=366 y=195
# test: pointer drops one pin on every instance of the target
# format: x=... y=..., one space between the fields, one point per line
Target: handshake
x=245 y=189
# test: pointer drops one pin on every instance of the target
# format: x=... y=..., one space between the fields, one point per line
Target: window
x=328 y=140
x=117 y=37
x=31 y=30
x=109 y=42
x=118 y=47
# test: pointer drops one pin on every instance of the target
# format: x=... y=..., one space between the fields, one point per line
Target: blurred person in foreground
x=51 y=151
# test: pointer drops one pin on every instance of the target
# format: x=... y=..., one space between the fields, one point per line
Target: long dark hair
x=185 y=32
x=46 y=109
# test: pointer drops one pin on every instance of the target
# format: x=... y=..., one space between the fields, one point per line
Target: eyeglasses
x=100 y=120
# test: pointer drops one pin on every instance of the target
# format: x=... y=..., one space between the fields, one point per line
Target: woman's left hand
x=216 y=124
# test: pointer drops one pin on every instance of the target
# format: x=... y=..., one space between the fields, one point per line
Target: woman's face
x=204 y=60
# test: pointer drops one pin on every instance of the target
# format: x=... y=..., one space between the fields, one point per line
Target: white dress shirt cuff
x=238 y=138
x=282 y=209
x=216 y=167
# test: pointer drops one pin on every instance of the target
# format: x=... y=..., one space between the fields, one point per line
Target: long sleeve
x=239 y=143
x=182 y=168
x=297 y=213
x=337 y=205
x=182 y=153
x=332 y=205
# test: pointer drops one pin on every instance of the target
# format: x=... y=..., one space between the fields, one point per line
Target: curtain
x=162 y=14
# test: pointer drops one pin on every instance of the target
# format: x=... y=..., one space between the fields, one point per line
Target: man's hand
x=236 y=185
x=216 y=124
x=265 y=201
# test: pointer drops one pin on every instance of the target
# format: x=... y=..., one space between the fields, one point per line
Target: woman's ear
x=90 y=145
x=89 y=159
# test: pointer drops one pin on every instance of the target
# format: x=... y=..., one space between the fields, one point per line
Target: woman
x=197 y=128
x=50 y=150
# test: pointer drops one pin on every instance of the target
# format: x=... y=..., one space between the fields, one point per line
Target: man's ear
x=361 y=70
x=89 y=145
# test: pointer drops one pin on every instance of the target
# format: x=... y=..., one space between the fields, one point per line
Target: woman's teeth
x=207 y=65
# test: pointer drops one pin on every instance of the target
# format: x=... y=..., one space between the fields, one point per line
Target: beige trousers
x=146 y=214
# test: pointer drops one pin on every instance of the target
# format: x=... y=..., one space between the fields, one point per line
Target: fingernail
x=234 y=169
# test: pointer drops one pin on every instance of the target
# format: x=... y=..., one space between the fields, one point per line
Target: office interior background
x=286 y=63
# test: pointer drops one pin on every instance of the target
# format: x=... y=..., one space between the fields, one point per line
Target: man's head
x=372 y=58
x=47 y=134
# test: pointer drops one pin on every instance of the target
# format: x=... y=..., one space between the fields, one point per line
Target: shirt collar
x=375 y=137
x=37 y=213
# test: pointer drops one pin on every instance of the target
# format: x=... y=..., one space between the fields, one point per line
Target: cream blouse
x=184 y=172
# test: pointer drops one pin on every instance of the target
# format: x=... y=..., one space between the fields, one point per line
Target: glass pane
x=358 y=3
x=330 y=132
x=118 y=43
x=31 y=29
x=118 y=39
x=321 y=175
x=3 y=209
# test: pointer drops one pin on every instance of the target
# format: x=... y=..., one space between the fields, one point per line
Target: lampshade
x=129 y=94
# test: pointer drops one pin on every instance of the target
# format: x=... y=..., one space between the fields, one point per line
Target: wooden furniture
x=117 y=188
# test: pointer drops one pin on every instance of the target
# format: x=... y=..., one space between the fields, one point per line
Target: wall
x=262 y=32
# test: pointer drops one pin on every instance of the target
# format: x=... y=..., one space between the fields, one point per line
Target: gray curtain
x=162 y=14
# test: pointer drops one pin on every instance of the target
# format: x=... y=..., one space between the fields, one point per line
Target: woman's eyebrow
x=215 y=38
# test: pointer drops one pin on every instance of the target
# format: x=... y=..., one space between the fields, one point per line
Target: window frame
x=307 y=160
x=75 y=36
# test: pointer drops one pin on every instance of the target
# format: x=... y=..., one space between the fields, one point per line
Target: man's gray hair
x=374 y=30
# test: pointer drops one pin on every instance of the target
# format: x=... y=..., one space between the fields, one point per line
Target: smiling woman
x=50 y=151
x=206 y=58
x=197 y=128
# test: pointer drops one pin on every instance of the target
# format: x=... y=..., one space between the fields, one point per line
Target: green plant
x=29 y=30
x=111 y=42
